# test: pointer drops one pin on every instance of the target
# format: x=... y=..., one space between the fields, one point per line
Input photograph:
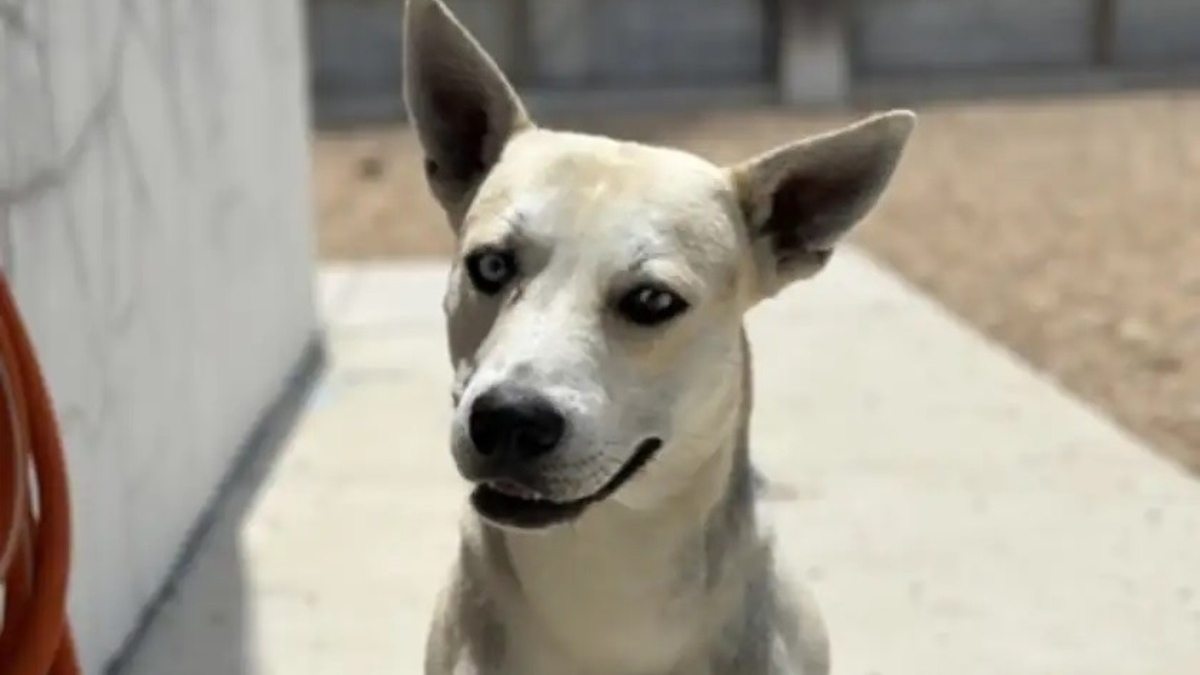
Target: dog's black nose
x=514 y=424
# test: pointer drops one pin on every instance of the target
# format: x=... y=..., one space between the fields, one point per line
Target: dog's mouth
x=511 y=504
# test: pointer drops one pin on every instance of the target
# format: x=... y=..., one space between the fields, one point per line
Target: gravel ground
x=1068 y=229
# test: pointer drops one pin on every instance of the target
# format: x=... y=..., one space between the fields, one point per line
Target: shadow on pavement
x=212 y=633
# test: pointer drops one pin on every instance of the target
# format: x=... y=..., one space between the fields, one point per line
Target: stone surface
x=155 y=227
x=955 y=512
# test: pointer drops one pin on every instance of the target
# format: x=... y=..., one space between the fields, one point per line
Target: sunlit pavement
x=954 y=511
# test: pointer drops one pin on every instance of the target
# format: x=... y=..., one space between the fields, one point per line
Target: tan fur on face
x=588 y=218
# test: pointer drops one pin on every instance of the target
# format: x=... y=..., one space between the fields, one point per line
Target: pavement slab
x=954 y=511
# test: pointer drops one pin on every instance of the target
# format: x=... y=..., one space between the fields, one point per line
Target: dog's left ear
x=463 y=108
x=801 y=199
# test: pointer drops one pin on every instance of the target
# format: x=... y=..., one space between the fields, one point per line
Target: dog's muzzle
x=512 y=504
x=511 y=427
x=513 y=433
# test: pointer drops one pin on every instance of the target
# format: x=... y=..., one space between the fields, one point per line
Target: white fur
x=673 y=573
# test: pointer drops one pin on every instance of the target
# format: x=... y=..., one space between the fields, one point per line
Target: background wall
x=550 y=45
x=154 y=220
x=791 y=50
x=933 y=36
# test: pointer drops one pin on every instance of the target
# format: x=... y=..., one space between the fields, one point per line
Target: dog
x=602 y=388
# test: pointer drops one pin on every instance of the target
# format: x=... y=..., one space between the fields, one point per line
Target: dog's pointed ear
x=799 y=200
x=463 y=108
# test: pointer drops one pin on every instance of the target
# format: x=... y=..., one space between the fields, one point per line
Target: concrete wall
x=930 y=35
x=811 y=50
x=633 y=43
x=1158 y=32
x=154 y=220
x=356 y=45
x=912 y=36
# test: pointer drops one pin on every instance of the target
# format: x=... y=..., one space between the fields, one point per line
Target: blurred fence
x=582 y=45
x=936 y=36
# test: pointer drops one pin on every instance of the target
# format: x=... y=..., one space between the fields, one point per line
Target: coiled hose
x=35 y=526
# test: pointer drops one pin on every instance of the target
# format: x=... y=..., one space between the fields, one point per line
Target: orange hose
x=35 y=525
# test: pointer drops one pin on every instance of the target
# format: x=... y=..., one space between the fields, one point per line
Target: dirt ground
x=1068 y=229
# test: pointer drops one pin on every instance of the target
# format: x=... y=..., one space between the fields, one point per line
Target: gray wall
x=904 y=36
x=629 y=44
x=356 y=44
x=1158 y=32
x=154 y=220
x=634 y=43
x=928 y=36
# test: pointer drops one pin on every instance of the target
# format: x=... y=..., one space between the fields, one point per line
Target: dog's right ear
x=463 y=108
x=800 y=200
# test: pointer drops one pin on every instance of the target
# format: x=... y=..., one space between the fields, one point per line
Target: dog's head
x=595 y=303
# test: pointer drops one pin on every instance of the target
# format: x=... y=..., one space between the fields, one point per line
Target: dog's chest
x=533 y=650
x=610 y=608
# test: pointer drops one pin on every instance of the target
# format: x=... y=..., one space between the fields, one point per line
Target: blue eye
x=491 y=270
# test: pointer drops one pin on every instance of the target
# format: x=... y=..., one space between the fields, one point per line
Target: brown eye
x=491 y=270
x=650 y=305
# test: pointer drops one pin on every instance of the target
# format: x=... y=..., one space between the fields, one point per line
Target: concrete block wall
x=814 y=60
x=357 y=46
x=1158 y=32
x=907 y=36
x=155 y=223
x=811 y=51
x=930 y=36
x=669 y=42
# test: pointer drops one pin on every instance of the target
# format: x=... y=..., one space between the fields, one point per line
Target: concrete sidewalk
x=955 y=512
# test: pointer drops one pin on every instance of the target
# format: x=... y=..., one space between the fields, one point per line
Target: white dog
x=595 y=321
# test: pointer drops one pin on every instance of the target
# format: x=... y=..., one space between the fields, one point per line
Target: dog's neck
x=637 y=583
